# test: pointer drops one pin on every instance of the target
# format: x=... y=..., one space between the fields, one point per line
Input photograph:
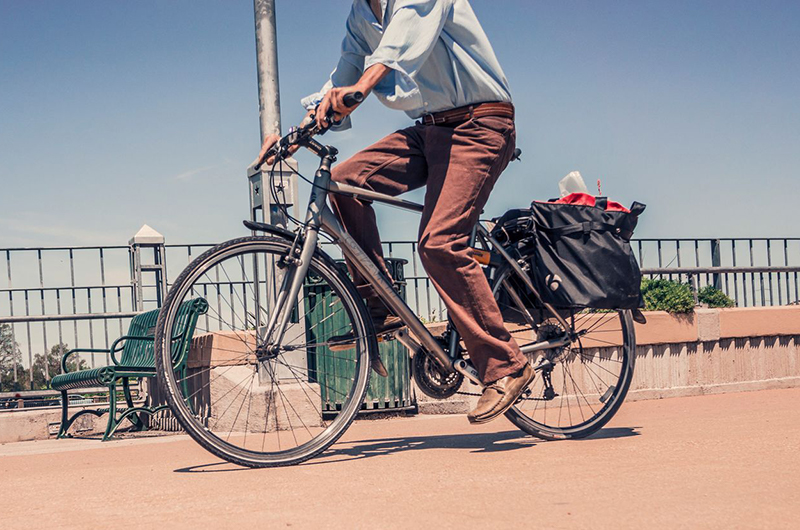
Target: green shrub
x=713 y=297
x=667 y=295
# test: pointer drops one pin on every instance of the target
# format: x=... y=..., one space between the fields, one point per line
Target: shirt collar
x=370 y=16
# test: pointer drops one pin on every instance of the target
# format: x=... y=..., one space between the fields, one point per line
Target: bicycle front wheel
x=243 y=401
x=578 y=387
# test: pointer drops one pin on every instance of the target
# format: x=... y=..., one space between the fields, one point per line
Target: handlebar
x=303 y=135
x=353 y=99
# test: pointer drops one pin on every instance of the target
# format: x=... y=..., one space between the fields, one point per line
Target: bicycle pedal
x=525 y=395
x=350 y=344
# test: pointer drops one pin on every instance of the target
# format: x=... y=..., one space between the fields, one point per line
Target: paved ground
x=704 y=462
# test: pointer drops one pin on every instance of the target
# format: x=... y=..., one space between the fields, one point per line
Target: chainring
x=432 y=380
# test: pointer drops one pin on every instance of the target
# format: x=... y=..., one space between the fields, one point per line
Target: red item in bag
x=584 y=199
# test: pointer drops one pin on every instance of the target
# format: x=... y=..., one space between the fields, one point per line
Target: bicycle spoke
x=299 y=382
x=236 y=418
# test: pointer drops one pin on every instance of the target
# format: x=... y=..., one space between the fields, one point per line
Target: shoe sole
x=479 y=421
x=350 y=344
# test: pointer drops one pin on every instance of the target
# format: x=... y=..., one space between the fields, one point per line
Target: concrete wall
x=723 y=350
x=711 y=351
x=32 y=424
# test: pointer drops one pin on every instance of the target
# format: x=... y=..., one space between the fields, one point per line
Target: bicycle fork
x=298 y=261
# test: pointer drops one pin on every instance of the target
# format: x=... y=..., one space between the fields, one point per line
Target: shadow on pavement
x=478 y=443
x=210 y=468
x=614 y=432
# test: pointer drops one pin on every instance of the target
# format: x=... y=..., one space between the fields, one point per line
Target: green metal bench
x=137 y=360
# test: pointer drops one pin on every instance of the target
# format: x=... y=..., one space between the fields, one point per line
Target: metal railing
x=753 y=272
x=58 y=298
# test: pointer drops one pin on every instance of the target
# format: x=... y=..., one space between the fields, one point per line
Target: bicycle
x=264 y=388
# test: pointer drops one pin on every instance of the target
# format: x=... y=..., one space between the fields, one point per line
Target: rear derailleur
x=545 y=368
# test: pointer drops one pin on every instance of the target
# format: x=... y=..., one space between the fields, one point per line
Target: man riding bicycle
x=431 y=59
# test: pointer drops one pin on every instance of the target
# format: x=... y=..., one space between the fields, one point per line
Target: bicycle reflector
x=481 y=256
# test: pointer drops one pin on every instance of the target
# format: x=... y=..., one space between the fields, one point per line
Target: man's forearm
x=371 y=77
x=334 y=98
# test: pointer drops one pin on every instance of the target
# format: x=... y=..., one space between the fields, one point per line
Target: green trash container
x=384 y=393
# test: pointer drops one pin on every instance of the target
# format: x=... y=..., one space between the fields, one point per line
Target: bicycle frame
x=320 y=217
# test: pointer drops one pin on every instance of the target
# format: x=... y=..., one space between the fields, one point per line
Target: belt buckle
x=432 y=117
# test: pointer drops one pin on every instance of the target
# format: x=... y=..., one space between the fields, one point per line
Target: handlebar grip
x=353 y=99
x=271 y=152
x=349 y=100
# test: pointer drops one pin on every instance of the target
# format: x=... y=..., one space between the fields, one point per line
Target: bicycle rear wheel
x=578 y=387
x=242 y=401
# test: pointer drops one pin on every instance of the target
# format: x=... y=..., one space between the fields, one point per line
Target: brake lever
x=329 y=119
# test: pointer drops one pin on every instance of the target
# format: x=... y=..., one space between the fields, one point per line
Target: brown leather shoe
x=377 y=364
x=501 y=395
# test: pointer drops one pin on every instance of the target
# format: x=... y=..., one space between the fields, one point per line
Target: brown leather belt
x=462 y=114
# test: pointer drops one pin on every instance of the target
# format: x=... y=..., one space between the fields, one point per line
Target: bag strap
x=637 y=208
x=586 y=227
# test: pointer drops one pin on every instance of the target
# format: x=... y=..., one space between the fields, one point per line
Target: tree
x=52 y=361
x=11 y=359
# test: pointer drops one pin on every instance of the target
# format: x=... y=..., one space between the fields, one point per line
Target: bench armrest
x=78 y=350
x=117 y=346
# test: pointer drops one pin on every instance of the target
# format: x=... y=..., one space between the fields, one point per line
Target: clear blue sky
x=114 y=114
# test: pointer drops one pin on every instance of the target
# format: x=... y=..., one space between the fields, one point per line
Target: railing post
x=716 y=262
x=691 y=279
x=146 y=238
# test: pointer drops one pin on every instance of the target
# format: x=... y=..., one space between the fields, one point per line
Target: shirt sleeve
x=347 y=72
x=411 y=34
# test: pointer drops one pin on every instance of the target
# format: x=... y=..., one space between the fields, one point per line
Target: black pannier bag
x=579 y=254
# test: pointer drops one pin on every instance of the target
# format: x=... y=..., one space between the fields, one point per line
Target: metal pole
x=269 y=97
x=283 y=177
x=269 y=103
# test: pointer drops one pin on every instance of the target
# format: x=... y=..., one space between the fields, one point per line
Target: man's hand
x=269 y=141
x=272 y=139
x=334 y=100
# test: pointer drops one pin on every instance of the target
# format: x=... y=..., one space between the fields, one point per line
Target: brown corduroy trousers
x=460 y=165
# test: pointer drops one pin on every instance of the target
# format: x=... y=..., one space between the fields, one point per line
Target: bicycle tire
x=322 y=265
x=618 y=384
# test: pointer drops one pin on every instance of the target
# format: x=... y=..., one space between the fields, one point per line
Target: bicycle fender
x=271 y=229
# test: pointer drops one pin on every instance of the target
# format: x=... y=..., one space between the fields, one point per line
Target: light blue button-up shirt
x=439 y=55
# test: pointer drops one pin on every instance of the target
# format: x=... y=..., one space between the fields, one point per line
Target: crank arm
x=468 y=371
x=405 y=339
